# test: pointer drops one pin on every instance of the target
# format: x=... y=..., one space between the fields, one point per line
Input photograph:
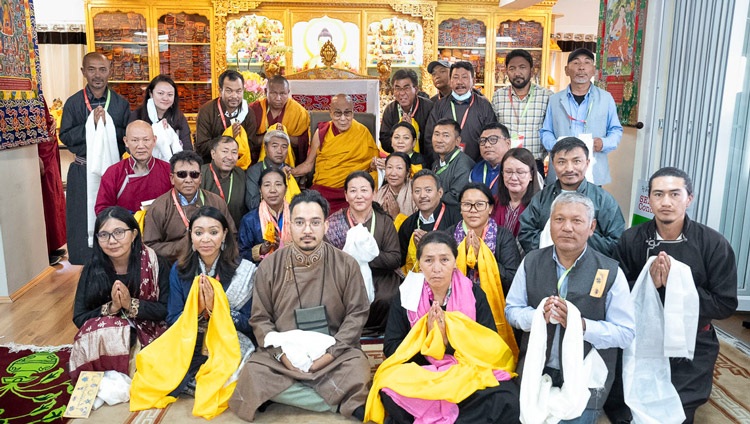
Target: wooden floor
x=44 y=314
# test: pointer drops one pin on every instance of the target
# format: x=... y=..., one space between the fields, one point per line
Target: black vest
x=541 y=282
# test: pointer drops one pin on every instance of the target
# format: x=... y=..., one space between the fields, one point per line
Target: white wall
x=23 y=242
x=59 y=11
x=580 y=16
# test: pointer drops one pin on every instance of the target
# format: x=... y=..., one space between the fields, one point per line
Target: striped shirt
x=524 y=117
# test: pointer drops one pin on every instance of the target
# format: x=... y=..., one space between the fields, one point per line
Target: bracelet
x=278 y=356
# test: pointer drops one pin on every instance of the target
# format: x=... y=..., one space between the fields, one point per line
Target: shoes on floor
x=54 y=260
x=59 y=252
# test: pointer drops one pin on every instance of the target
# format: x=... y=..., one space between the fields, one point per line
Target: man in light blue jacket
x=581 y=109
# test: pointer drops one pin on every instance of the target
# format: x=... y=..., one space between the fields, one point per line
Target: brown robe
x=210 y=124
x=165 y=232
x=345 y=381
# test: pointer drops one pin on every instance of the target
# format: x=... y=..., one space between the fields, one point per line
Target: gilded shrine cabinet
x=146 y=38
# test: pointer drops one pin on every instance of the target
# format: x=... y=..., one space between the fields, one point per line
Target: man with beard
x=229 y=110
x=407 y=107
x=470 y=109
x=522 y=105
x=583 y=110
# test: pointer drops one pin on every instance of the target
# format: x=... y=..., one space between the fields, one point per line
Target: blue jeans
x=589 y=416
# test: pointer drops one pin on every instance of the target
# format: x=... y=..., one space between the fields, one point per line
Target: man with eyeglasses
x=407 y=106
x=279 y=108
x=308 y=285
x=137 y=179
x=586 y=110
x=431 y=214
x=522 y=105
x=166 y=225
x=229 y=110
x=452 y=166
x=469 y=108
x=338 y=148
x=569 y=157
x=493 y=144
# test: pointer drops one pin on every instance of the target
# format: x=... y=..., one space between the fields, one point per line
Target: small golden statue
x=328 y=54
x=271 y=69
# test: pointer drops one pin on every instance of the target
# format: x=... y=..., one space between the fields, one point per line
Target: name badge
x=516 y=139
x=600 y=280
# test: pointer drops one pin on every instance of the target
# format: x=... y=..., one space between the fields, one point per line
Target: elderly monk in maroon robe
x=289 y=286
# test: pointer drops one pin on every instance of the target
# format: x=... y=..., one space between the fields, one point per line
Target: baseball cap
x=435 y=63
x=579 y=52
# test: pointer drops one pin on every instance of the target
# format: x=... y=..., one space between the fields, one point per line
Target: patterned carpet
x=729 y=403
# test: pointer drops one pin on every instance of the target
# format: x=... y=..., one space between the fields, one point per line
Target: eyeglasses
x=183 y=174
x=520 y=174
x=478 y=206
x=339 y=114
x=493 y=139
x=118 y=234
x=301 y=223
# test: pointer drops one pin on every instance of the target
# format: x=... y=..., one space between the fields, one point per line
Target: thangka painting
x=620 y=50
x=21 y=108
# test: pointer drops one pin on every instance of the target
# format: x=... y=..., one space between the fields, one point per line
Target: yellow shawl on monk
x=342 y=154
x=243 y=151
x=489 y=281
x=162 y=365
x=478 y=351
x=296 y=118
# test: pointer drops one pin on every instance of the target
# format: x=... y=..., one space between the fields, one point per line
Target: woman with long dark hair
x=121 y=299
x=161 y=104
x=212 y=252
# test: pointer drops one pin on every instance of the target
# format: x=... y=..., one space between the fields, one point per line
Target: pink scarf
x=267 y=217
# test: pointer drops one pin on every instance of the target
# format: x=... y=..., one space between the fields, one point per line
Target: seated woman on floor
x=374 y=244
x=445 y=361
x=121 y=299
x=403 y=140
x=263 y=230
x=395 y=193
x=208 y=312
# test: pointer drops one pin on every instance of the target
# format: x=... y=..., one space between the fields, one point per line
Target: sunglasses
x=183 y=174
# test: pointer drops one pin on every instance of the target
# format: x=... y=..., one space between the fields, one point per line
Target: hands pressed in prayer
x=164 y=123
x=206 y=295
x=418 y=233
x=120 y=297
x=472 y=240
x=436 y=315
x=598 y=144
x=266 y=247
x=556 y=308
x=236 y=129
x=99 y=114
x=377 y=163
x=659 y=269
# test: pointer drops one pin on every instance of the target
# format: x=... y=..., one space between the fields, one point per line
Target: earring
x=223 y=245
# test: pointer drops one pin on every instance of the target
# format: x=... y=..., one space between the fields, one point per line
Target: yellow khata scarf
x=478 y=351
x=244 y=148
x=162 y=365
x=400 y=218
x=489 y=280
x=412 y=264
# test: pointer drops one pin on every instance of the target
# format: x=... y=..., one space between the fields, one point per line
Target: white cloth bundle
x=101 y=153
x=113 y=389
x=411 y=290
x=660 y=332
x=167 y=140
x=539 y=401
x=361 y=245
x=300 y=347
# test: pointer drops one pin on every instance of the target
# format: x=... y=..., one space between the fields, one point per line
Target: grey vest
x=541 y=282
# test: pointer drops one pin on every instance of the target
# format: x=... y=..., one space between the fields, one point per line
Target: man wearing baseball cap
x=583 y=110
x=441 y=78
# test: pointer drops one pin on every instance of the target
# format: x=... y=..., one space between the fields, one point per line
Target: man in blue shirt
x=494 y=142
x=583 y=109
